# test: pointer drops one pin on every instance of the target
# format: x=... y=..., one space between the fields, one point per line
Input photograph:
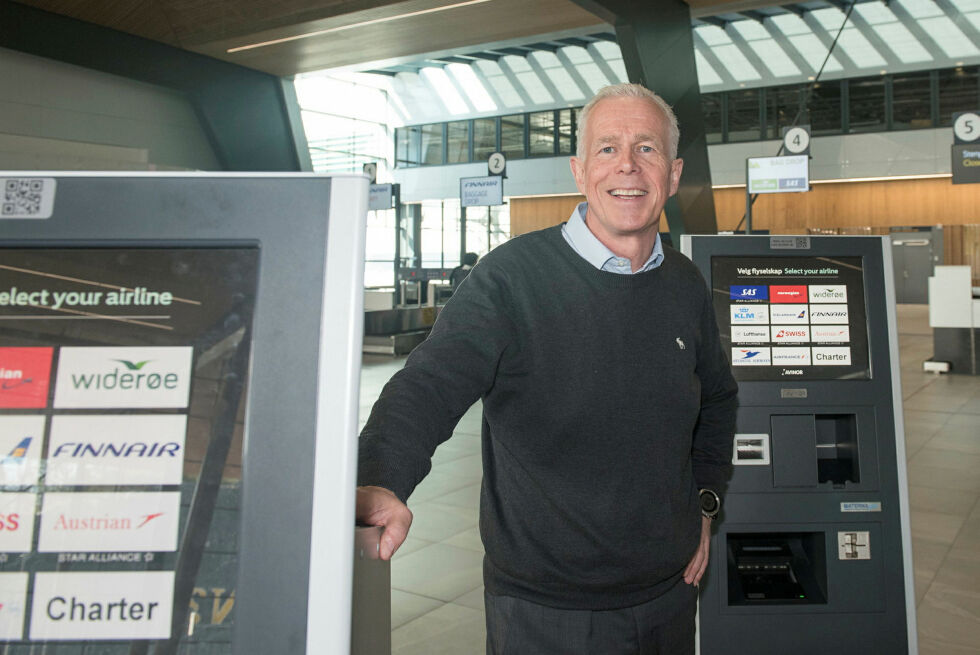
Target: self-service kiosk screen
x=786 y=318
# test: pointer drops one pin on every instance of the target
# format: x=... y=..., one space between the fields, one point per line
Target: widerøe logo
x=828 y=293
x=123 y=377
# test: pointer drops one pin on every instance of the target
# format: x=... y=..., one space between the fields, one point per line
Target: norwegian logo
x=787 y=293
x=25 y=375
x=123 y=377
x=741 y=292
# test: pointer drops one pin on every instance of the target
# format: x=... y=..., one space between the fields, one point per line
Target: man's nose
x=627 y=161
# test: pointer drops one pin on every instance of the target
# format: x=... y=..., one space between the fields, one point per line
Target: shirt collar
x=587 y=245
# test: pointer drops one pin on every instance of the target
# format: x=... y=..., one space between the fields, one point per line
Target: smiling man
x=608 y=409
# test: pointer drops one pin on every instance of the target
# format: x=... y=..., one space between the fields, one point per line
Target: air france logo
x=820 y=293
x=750 y=357
x=123 y=377
x=93 y=522
x=791 y=357
x=24 y=377
x=740 y=292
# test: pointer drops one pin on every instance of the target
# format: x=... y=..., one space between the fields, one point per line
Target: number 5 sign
x=966 y=127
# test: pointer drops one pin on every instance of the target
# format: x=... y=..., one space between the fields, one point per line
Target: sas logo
x=123 y=377
x=752 y=334
x=20 y=449
x=790 y=357
x=830 y=333
x=116 y=450
x=829 y=314
x=792 y=314
x=798 y=333
x=751 y=357
x=24 y=377
x=739 y=292
x=749 y=314
x=784 y=294
x=16 y=522
x=839 y=356
x=98 y=522
x=828 y=293
x=13 y=596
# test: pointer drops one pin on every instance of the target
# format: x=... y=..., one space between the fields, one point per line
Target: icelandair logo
x=17 y=455
x=135 y=521
x=123 y=377
x=20 y=449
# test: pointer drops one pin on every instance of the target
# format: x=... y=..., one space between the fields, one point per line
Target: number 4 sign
x=796 y=140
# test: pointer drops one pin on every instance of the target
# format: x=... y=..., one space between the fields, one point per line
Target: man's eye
x=645 y=148
x=608 y=149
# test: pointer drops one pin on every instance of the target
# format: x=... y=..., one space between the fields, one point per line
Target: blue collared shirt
x=587 y=245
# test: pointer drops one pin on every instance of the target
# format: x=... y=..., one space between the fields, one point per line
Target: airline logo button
x=793 y=333
x=102 y=605
x=116 y=450
x=750 y=314
x=741 y=292
x=790 y=356
x=831 y=356
x=123 y=377
x=13 y=597
x=828 y=314
x=786 y=294
x=17 y=522
x=103 y=522
x=24 y=377
x=750 y=334
x=21 y=438
x=821 y=293
x=751 y=357
x=830 y=333
x=793 y=314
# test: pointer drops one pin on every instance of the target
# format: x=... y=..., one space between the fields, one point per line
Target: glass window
x=578 y=127
x=565 y=132
x=512 y=136
x=407 y=146
x=432 y=144
x=743 y=116
x=458 y=138
x=825 y=109
x=379 y=249
x=782 y=106
x=433 y=235
x=959 y=90
x=911 y=107
x=484 y=138
x=866 y=104
x=711 y=109
x=541 y=133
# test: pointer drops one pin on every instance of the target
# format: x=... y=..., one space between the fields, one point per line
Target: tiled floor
x=436 y=577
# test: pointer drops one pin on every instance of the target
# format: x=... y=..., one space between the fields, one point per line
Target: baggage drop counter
x=812 y=552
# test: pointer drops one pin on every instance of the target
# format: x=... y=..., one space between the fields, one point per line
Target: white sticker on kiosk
x=27 y=197
x=102 y=605
x=17 y=513
x=870 y=506
x=790 y=333
x=13 y=596
x=21 y=440
x=799 y=356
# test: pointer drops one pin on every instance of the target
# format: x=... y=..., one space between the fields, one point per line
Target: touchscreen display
x=784 y=318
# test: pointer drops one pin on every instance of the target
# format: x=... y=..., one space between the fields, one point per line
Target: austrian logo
x=20 y=449
x=795 y=314
x=751 y=357
x=832 y=356
x=99 y=522
x=791 y=356
x=749 y=314
x=116 y=450
x=830 y=333
x=750 y=334
x=24 y=377
x=741 y=292
x=820 y=293
x=16 y=522
x=102 y=605
x=123 y=377
x=784 y=293
x=796 y=333
x=13 y=595
x=826 y=314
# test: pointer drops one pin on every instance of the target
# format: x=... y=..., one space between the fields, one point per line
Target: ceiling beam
x=913 y=26
x=709 y=56
x=546 y=81
x=572 y=71
x=787 y=46
x=878 y=43
x=603 y=65
x=961 y=21
x=743 y=46
x=850 y=69
x=516 y=83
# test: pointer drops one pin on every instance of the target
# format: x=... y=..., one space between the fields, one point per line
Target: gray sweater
x=607 y=404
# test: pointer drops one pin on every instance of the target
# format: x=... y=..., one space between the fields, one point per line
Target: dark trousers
x=662 y=626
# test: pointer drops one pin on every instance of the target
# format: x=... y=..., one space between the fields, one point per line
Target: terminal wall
x=56 y=116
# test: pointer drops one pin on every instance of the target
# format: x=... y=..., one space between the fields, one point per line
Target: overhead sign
x=379 y=196
x=778 y=174
x=966 y=164
x=966 y=127
x=481 y=191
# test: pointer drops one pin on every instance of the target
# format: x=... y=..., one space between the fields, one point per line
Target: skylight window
x=707 y=75
x=900 y=41
x=814 y=51
x=859 y=49
x=592 y=75
x=736 y=63
x=750 y=30
x=774 y=58
x=472 y=86
x=445 y=89
x=921 y=8
x=559 y=76
x=966 y=6
x=790 y=24
x=577 y=55
x=534 y=88
x=517 y=64
x=713 y=35
x=949 y=37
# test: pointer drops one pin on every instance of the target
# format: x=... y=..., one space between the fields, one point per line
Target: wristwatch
x=710 y=503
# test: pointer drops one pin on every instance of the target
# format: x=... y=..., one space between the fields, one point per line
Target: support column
x=658 y=51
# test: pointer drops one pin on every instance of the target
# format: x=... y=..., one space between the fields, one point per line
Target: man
x=460 y=272
x=608 y=405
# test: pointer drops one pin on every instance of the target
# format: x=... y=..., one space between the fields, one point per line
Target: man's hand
x=379 y=506
x=699 y=563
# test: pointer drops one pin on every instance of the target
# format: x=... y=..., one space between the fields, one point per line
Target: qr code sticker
x=25 y=197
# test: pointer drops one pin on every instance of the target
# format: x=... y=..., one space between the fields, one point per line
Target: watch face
x=709 y=502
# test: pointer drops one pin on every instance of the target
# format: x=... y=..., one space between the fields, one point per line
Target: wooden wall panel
x=529 y=214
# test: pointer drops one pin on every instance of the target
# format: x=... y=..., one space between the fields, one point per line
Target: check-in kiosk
x=812 y=550
x=180 y=357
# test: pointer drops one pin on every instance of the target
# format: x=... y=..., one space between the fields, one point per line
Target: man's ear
x=578 y=172
x=676 y=167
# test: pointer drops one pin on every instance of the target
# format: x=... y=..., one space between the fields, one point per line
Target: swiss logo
x=24 y=377
x=16 y=522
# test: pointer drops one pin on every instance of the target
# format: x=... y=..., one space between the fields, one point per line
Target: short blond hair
x=627 y=90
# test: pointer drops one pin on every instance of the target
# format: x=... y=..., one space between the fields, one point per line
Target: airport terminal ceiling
x=312 y=35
